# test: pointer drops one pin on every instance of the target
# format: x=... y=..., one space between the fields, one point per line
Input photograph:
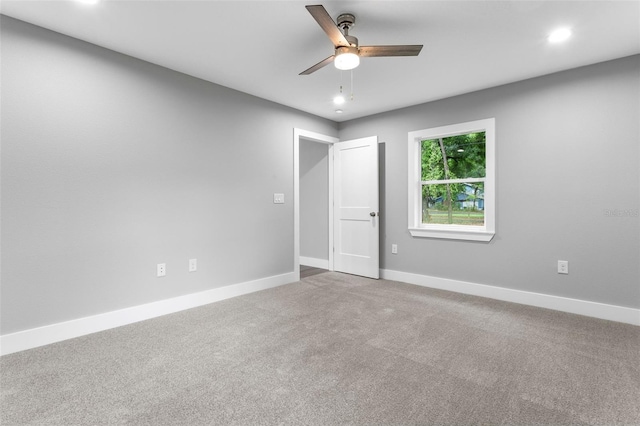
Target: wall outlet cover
x=563 y=266
x=161 y=269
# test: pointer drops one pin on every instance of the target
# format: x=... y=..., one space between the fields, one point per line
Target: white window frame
x=456 y=232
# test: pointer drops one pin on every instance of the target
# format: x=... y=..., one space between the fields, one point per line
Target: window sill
x=452 y=234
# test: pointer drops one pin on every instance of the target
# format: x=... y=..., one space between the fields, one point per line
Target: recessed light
x=559 y=35
x=339 y=111
x=88 y=1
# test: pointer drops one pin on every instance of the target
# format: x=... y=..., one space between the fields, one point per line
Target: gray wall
x=111 y=165
x=314 y=199
x=567 y=151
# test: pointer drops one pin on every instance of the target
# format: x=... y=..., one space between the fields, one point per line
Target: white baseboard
x=564 y=304
x=45 y=335
x=314 y=262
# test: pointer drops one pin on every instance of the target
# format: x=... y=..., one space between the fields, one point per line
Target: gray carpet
x=308 y=271
x=335 y=349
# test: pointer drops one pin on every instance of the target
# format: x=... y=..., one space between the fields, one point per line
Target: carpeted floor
x=307 y=271
x=335 y=349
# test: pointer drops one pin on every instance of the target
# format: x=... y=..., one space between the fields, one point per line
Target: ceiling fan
x=347 y=51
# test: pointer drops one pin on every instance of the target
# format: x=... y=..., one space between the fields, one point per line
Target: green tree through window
x=452 y=171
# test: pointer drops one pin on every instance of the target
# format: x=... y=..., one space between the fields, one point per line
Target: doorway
x=319 y=142
x=314 y=205
x=352 y=203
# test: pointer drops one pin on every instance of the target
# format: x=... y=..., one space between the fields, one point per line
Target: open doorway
x=313 y=199
x=314 y=207
x=353 y=204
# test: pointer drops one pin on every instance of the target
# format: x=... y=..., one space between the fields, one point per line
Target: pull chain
x=351 y=84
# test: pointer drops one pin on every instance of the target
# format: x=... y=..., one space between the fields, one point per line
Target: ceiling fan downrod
x=345 y=22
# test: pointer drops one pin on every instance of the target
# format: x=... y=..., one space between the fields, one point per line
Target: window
x=452 y=181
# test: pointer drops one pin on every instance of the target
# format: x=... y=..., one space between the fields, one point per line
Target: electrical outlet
x=278 y=198
x=563 y=266
x=394 y=249
x=193 y=265
x=161 y=269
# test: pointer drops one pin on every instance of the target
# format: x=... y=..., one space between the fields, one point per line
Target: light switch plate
x=278 y=198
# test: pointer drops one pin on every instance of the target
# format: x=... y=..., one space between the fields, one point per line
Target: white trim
x=314 y=262
x=52 y=333
x=444 y=181
x=41 y=336
x=453 y=234
x=557 y=303
x=320 y=138
x=330 y=205
x=414 y=184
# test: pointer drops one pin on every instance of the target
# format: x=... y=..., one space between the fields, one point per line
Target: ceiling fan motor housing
x=341 y=50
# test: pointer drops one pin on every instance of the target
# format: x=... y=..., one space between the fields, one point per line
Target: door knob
x=372 y=214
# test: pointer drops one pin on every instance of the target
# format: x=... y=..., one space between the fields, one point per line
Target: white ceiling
x=260 y=47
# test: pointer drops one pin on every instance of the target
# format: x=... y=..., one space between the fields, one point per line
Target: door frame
x=324 y=139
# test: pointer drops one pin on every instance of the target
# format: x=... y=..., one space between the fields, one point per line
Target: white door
x=356 y=217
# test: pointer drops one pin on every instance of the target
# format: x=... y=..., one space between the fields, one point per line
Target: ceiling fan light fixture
x=346 y=58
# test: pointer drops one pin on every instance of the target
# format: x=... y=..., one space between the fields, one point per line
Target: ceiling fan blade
x=323 y=19
x=319 y=65
x=397 y=50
